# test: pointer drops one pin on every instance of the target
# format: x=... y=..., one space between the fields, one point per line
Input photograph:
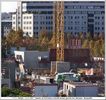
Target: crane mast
x=58 y=29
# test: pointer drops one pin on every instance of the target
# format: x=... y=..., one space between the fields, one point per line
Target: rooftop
x=42 y=84
x=82 y=84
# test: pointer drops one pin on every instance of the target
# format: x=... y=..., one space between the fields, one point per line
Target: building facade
x=6 y=23
x=6 y=26
x=8 y=73
x=80 y=89
x=79 y=17
x=32 y=59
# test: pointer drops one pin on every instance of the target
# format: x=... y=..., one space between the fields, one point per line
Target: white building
x=45 y=79
x=78 y=17
x=80 y=89
x=28 y=26
x=45 y=90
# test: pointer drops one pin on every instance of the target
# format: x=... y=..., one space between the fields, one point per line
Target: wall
x=90 y=91
x=45 y=90
x=6 y=82
x=80 y=91
x=30 y=58
x=72 y=55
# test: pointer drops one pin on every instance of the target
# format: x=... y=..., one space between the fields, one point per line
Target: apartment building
x=6 y=23
x=6 y=26
x=82 y=16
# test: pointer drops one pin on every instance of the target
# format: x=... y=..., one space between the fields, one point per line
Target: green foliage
x=43 y=40
x=88 y=36
x=23 y=94
x=85 y=44
x=14 y=38
x=6 y=92
x=96 y=46
x=48 y=40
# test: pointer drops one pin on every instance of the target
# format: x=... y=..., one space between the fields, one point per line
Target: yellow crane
x=58 y=29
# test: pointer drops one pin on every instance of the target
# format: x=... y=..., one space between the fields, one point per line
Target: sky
x=8 y=6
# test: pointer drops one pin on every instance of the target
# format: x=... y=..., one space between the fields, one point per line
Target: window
x=95 y=28
x=13 y=17
x=95 y=17
x=84 y=22
x=13 y=22
x=67 y=86
x=90 y=20
x=64 y=17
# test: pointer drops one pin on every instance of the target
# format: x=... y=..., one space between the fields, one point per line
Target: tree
x=42 y=34
x=52 y=42
x=5 y=91
x=14 y=38
x=24 y=94
x=91 y=46
x=85 y=44
x=88 y=36
x=44 y=43
x=101 y=36
x=102 y=51
x=81 y=35
x=97 y=49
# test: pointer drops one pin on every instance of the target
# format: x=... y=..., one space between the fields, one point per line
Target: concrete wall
x=6 y=82
x=10 y=65
x=30 y=58
x=45 y=90
x=60 y=67
x=86 y=91
x=13 y=49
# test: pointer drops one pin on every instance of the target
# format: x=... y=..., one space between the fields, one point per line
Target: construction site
x=60 y=71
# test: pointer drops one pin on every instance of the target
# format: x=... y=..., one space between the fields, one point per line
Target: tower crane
x=58 y=29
